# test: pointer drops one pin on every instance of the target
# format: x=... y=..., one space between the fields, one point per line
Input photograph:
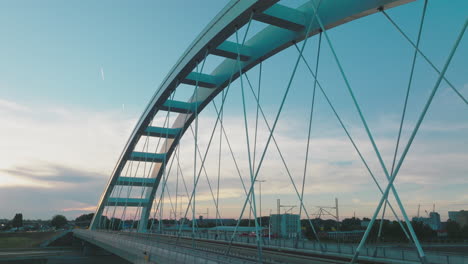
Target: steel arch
x=286 y=27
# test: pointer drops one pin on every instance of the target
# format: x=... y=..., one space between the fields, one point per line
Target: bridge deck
x=152 y=248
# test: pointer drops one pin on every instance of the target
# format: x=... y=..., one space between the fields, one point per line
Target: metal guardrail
x=138 y=250
x=370 y=251
x=52 y=239
x=151 y=248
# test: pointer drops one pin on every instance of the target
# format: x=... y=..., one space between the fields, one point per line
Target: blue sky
x=76 y=75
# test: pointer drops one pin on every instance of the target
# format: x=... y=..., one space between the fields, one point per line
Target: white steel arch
x=287 y=26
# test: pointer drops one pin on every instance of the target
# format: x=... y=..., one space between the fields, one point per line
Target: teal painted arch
x=286 y=27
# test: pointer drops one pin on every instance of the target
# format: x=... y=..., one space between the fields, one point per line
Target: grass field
x=24 y=239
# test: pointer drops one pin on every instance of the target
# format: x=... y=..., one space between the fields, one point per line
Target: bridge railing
x=371 y=251
x=138 y=249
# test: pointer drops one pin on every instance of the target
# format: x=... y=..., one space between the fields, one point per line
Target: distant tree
x=464 y=232
x=168 y=221
x=349 y=224
x=59 y=221
x=424 y=232
x=5 y=226
x=85 y=218
x=17 y=220
x=247 y=222
x=153 y=223
x=329 y=225
x=307 y=229
x=103 y=222
x=265 y=220
x=454 y=231
x=391 y=231
x=115 y=224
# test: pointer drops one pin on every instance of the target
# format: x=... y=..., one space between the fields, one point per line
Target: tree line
x=391 y=230
x=18 y=223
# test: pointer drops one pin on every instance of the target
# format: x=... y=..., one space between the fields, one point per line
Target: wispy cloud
x=71 y=138
x=51 y=174
x=80 y=209
x=58 y=160
x=9 y=106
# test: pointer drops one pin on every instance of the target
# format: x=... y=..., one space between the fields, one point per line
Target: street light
x=269 y=227
x=180 y=204
x=260 y=185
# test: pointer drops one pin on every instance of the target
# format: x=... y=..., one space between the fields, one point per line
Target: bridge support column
x=143 y=224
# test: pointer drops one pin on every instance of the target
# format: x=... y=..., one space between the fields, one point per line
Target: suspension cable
x=408 y=145
x=310 y=122
x=371 y=138
x=424 y=56
x=270 y=137
x=421 y=23
x=354 y=144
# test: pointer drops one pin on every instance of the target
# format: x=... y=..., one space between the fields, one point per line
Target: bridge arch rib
x=286 y=27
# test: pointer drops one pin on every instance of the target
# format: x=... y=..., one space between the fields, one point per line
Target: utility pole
x=337 y=215
x=180 y=211
x=279 y=205
x=269 y=227
x=419 y=207
x=337 y=212
x=260 y=185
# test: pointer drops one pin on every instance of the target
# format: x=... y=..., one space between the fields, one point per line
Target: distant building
x=433 y=221
x=461 y=217
x=285 y=225
x=453 y=215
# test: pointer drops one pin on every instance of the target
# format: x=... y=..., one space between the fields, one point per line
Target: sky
x=75 y=77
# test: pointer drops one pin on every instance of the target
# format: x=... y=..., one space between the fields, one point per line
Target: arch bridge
x=226 y=37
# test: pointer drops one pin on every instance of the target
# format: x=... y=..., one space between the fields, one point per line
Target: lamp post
x=180 y=204
x=260 y=185
x=269 y=227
